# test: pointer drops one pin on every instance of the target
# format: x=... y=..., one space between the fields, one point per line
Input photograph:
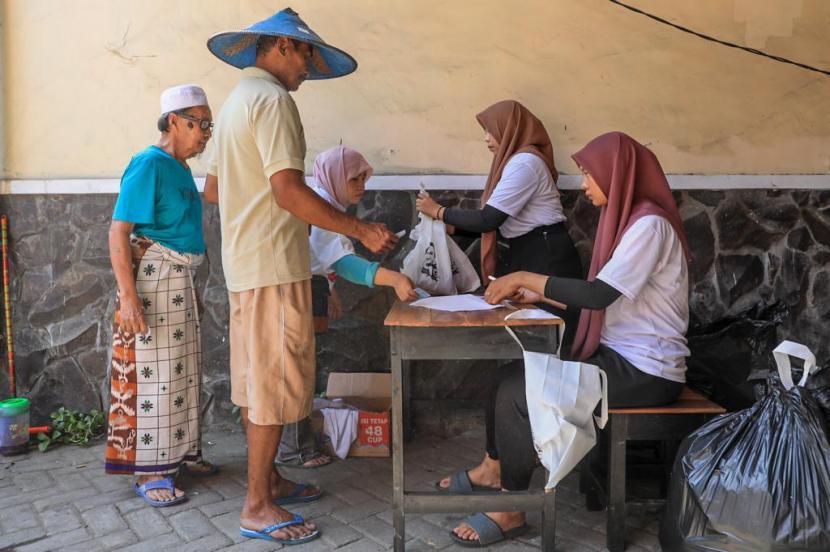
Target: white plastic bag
x=428 y=265
x=561 y=397
x=463 y=273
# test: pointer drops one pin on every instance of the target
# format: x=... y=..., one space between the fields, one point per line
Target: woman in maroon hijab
x=635 y=308
x=521 y=202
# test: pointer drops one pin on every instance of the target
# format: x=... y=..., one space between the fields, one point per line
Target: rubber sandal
x=184 y=469
x=295 y=496
x=460 y=484
x=166 y=483
x=303 y=466
x=488 y=531
x=265 y=534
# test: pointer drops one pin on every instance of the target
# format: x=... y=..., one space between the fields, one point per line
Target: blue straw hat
x=238 y=48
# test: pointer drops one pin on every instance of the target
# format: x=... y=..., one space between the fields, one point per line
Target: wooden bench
x=669 y=423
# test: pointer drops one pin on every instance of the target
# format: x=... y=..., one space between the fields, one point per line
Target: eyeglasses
x=204 y=124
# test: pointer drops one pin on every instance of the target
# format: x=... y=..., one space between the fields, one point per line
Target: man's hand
x=377 y=237
x=131 y=315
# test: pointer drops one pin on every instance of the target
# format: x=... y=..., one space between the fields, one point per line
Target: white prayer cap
x=182 y=97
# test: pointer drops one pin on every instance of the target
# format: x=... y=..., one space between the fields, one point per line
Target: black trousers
x=545 y=250
x=627 y=387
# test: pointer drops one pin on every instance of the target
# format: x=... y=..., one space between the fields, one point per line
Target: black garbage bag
x=755 y=480
x=727 y=355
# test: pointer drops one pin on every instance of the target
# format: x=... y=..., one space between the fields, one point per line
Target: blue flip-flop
x=295 y=496
x=166 y=483
x=265 y=534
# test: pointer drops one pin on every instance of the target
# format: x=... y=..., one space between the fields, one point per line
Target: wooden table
x=425 y=334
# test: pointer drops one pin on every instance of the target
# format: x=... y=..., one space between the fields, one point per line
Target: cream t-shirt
x=258 y=133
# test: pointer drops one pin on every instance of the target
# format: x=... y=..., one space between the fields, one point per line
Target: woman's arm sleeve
x=478 y=221
x=356 y=269
x=596 y=295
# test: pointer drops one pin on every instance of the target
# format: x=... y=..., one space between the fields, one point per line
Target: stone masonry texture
x=749 y=246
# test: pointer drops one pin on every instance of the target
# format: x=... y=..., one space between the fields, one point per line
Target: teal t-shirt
x=159 y=196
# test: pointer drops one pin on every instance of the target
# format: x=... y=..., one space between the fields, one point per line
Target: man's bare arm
x=292 y=194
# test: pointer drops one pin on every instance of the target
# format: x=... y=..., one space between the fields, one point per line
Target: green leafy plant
x=72 y=427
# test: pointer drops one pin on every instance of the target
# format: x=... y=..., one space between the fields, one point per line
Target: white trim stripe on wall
x=450 y=182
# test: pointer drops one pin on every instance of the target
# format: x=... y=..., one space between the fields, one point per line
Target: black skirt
x=549 y=250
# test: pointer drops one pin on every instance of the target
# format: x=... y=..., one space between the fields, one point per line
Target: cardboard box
x=372 y=394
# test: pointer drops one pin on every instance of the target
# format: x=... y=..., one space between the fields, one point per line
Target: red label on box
x=373 y=429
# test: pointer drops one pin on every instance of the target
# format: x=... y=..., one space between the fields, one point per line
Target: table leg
x=549 y=521
x=397 y=441
x=616 y=483
x=409 y=425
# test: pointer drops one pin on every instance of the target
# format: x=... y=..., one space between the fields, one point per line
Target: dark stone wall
x=748 y=246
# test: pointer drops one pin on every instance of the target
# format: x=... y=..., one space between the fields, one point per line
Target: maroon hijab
x=634 y=183
x=517 y=130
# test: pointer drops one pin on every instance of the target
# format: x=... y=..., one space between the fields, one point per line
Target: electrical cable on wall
x=719 y=41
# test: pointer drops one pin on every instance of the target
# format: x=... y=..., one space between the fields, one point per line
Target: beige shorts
x=272 y=352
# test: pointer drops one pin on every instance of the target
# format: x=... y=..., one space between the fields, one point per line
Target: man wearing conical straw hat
x=256 y=176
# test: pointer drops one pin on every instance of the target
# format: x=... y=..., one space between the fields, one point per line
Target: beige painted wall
x=83 y=77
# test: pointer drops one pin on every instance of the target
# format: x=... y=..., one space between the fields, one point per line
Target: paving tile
x=8 y=540
x=56 y=542
x=376 y=529
x=191 y=525
x=433 y=535
x=72 y=481
x=155 y=544
x=351 y=495
x=228 y=524
x=118 y=540
x=105 y=482
x=91 y=545
x=109 y=498
x=15 y=519
x=131 y=504
x=226 y=487
x=251 y=545
x=194 y=500
x=360 y=511
x=336 y=533
x=60 y=519
x=223 y=507
x=63 y=497
x=363 y=545
x=147 y=523
x=33 y=481
x=208 y=543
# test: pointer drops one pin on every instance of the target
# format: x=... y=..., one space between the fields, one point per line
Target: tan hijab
x=517 y=130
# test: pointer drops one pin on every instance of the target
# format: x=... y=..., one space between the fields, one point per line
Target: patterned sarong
x=154 y=421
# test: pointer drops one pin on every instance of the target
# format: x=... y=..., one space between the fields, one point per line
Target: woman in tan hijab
x=521 y=202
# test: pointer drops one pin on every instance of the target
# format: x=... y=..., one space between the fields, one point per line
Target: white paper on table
x=455 y=303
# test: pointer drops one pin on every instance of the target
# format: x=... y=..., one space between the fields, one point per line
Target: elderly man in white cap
x=265 y=209
x=156 y=243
